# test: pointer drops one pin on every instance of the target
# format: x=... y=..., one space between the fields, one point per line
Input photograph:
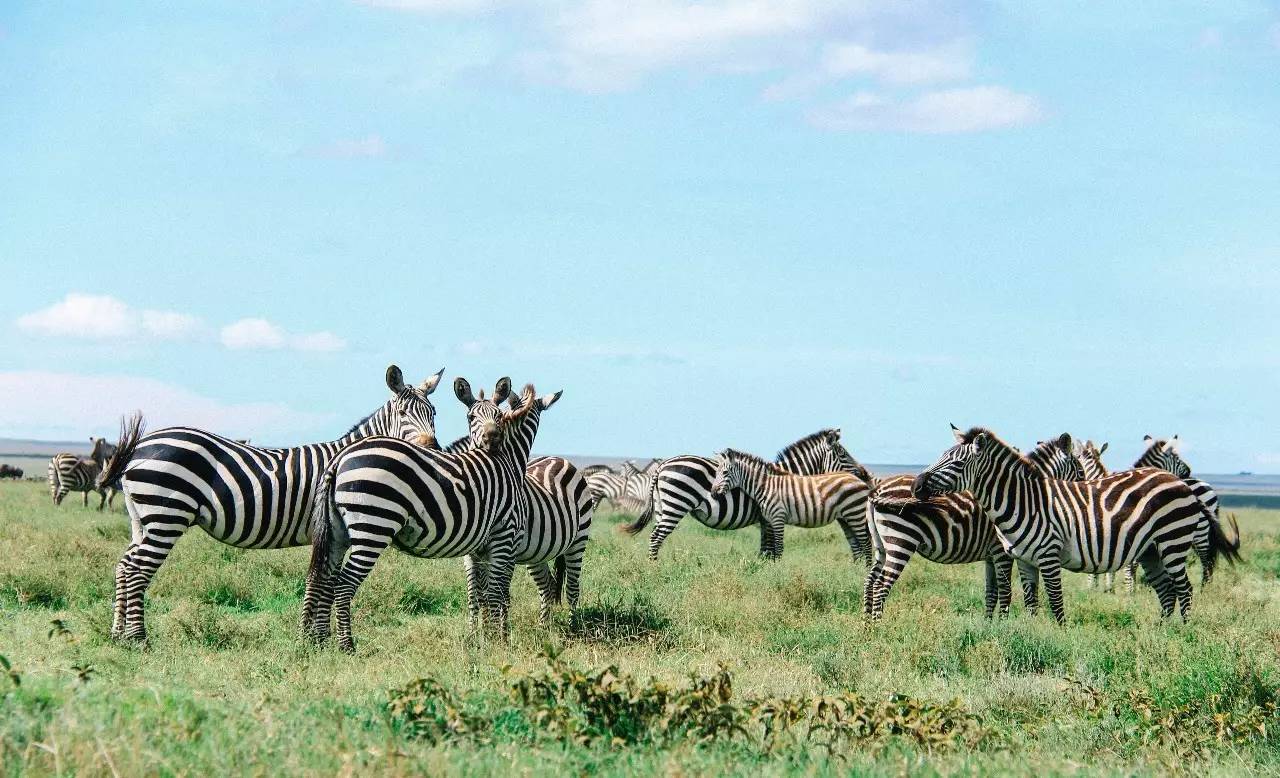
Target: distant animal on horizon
x=179 y=477
x=73 y=473
x=9 y=471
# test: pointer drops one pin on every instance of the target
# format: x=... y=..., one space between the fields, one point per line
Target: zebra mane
x=812 y=437
x=973 y=432
x=589 y=469
x=744 y=457
x=361 y=423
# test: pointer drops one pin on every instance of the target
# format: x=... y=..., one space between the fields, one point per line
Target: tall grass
x=227 y=687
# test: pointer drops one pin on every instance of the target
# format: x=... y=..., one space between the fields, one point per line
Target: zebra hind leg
x=1130 y=578
x=477 y=573
x=1052 y=575
x=1029 y=575
x=546 y=584
x=1158 y=579
x=1004 y=583
x=856 y=535
x=156 y=535
x=124 y=569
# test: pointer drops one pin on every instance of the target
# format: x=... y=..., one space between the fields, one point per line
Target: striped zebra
x=431 y=504
x=605 y=483
x=1163 y=454
x=636 y=482
x=244 y=496
x=72 y=473
x=559 y=522
x=952 y=529
x=1085 y=526
x=783 y=498
x=681 y=486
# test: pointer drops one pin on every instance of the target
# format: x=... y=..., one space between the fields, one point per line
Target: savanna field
x=227 y=686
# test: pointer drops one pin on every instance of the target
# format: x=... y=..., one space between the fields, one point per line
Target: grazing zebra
x=430 y=504
x=242 y=495
x=72 y=473
x=952 y=529
x=1086 y=526
x=782 y=497
x=559 y=522
x=681 y=486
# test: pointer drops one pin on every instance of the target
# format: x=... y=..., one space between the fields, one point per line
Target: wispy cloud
x=50 y=405
x=260 y=334
x=90 y=317
x=800 y=46
x=966 y=109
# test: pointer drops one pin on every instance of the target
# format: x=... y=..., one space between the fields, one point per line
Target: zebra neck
x=373 y=424
x=1007 y=487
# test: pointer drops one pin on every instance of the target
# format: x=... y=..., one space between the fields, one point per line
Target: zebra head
x=488 y=425
x=1091 y=457
x=733 y=470
x=843 y=461
x=528 y=427
x=102 y=450
x=409 y=414
x=1057 y=458
x=951 y=472
x=1164 y=455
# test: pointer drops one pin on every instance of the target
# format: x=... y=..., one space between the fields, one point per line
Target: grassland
x=226 y=687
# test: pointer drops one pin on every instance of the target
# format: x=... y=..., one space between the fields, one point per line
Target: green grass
x=227 y=687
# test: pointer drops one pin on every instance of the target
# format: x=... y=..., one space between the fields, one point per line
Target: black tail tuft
x=131 y=431
x=646 y=515
x=1218 y=540
x=322 y=517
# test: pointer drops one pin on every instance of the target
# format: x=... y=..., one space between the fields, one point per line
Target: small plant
x=427 y=710
x=13 y=675
x=83 y=673
x=59 y=630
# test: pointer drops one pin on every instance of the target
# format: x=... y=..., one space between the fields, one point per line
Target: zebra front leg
x=777 y=521
x=497 y=597
x=102 y=502
x=573 y=573
x=990 y=590
x=1029 y=575
x=545 y=581
x=476 y=572
x=1130 y=578
x=1051 y=572
x=86 y=498
x=1004 y=583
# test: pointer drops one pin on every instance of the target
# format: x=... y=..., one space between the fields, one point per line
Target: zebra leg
x=777 y=521
x=497 y=596
x=366 y=548
x=876 y=569
x=477 y=573
x=856 y=535
x=317 y=604
x=1200 y=542
x=546 y=584
x=123 y=570
x=1029 y=575
x=1130 y=577
x=662 y=528
x=142 y=561
x=1173 y=557
x=573 y=572
x=1052 y=574
x=895 y=561
x=1159 y=580
x=102 y=493
x=990 y=588
x=1093 y=580
x=1004 y=583
x=766 y=539
x=85 y=502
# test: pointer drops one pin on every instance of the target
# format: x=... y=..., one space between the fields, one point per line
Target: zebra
x=242 y=495
x=952 y=529
x=431 y=504
x=783 y=497
x=636 y=482
x=1088 y=526
x=9 y=471
x=605 y=483
x=1162 y=454
x=681 y=486
x=559 y=522
x=73 y=473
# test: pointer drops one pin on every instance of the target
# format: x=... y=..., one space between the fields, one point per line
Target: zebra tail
x=1219 y=543
x=131 y=431
x=646 y=515
x=321 y=546
x=558 y=575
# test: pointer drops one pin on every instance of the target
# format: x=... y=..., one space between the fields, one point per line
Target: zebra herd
x=387 y=482
x=73 y=473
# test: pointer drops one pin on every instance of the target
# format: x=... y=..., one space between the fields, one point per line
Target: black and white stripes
x=242 y=495
x=71 y=473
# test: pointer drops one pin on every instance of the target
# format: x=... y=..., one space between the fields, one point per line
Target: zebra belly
x=730 y=511
x=546 y=538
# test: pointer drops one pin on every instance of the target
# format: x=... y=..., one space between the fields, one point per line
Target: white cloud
x=966 y=109
x=50 y=406
x=262 y=334
x=368 y=147
x=950 y=62
x=101 y=317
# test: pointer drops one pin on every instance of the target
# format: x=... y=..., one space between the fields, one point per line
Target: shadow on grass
x=625 y=620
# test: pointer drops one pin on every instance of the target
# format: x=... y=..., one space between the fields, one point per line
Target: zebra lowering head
x=1091 y=457
x=950 y=472
x=731 y=470
x=409 y=415
x=1164 y=455
x=1058 y=457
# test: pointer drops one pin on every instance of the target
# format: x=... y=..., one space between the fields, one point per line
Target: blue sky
x=718 y=223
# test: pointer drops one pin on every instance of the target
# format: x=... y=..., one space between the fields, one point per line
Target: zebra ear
x=1104 y=448
x=1172 y=444
x=980 y=441
x=1065 y=442
x=1147 y=439
x=501 y=389
x=428 y=386
x=463 y=390
x=549 y=400
x=959 y=435
x=395 y=380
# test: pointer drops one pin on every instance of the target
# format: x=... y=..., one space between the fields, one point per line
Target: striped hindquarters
x=560 y=508
x=949 y=528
